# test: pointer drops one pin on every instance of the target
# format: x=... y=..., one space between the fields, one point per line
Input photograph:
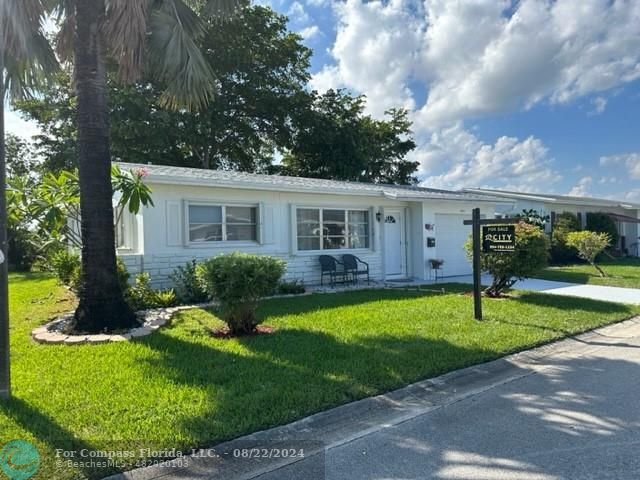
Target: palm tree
x=26 y=60
x=156 y=36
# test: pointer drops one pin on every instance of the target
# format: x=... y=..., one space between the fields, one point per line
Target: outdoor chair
x=436 y=267
x=329 y=266
x=355 y=267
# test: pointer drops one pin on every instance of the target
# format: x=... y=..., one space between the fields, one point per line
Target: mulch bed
x=224 y=332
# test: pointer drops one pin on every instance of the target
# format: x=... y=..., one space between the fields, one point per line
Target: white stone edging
x=151 y=320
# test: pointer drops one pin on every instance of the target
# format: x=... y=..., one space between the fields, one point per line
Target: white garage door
x=451 y=235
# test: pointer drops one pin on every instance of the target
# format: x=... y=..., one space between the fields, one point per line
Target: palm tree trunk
x=102 y=306
x=5 y=377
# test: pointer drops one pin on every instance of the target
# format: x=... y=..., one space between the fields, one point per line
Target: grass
x=621 y=273
x=182 y=388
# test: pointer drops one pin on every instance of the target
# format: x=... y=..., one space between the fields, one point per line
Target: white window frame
x=321 y=208
x=224 y=242
x=126 y=232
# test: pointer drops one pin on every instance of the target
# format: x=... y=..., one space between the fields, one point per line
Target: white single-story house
x=203 y=213
x=625 y=214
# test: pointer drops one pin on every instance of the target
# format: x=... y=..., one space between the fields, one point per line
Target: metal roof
x=252 y=181
x=551 y=198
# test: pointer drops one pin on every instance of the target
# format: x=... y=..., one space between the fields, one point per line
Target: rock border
x=52 y=333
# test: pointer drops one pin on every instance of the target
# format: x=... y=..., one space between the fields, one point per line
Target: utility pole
x=5 y=377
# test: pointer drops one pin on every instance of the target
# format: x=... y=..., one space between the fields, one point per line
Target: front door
x=394 y=244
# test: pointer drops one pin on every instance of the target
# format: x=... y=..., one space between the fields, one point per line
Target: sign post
x=499 y=235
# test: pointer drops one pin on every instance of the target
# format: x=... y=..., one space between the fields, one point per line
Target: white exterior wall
x=161 y=230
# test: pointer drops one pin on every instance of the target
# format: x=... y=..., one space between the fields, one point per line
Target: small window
x=220 y=223
x=332 y=229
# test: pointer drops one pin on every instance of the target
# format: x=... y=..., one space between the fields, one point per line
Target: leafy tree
x=334 y=139
x=158 y=37
x=261 y=71
x=532 y=217
x=530 y=256
x=589 y=245
x=603 y=223
x=50 y=208
x=23 y=171
x=565 y=223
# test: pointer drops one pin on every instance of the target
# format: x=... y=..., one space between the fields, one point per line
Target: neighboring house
x=625 y=214
x=203 y=213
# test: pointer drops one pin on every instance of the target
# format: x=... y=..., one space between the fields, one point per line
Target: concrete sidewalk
x=570 y=410
x=630 y=296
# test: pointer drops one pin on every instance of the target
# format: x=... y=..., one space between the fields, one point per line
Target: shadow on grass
x=50 y=435
x=560 y=302
x=565 y=276
x=278 y=378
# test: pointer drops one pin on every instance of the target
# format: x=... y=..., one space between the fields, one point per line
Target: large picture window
x=332 y=229
x=222 y=223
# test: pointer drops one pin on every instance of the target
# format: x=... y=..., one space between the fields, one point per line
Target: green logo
x=19 y=460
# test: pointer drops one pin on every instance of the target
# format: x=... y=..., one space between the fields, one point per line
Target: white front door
x=394 y=244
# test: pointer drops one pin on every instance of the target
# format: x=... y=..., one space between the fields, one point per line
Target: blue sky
x=534 y=95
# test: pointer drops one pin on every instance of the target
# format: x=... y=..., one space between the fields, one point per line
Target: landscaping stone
x=150 y=320
x=140 y=332
x=75 y=340
x=98 y=338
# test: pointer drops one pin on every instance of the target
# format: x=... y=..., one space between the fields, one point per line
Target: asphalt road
x=575 y=416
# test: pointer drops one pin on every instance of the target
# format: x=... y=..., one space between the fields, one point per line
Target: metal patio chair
x=355 y=267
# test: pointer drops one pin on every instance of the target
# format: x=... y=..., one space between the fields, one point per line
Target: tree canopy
x=262 y=106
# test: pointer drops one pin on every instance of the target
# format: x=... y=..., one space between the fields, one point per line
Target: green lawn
x=182 y=388
x=621 y=273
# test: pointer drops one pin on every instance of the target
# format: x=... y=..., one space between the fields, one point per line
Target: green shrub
x=141 y=296
x=530 y=256
x=165 y=298
x=238 y=281
x=561 y=253
x=188 y=287
x=603 y=223
x=589 y=245
x=65 y=265
x=295 y=287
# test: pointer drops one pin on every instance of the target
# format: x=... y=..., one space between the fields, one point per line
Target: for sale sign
x=498 y=238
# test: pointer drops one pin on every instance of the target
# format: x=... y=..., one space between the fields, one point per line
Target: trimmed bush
x=561 y=253
x=589 y=245
x=530 y=256
x=603 y=223
x=188 y=287
x=238 y=281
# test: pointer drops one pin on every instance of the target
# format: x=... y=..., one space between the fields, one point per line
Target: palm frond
x=28 y=57
x=174 y=56
x=125 y=31
x=64 y=12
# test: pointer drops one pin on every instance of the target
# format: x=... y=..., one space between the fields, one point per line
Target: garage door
x=451 y=235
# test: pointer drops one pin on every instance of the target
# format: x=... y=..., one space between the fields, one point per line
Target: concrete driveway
x=629 y=296
x=570 y=410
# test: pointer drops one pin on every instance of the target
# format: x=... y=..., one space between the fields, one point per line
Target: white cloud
x=481 y=57
x=310 y=32
x=581 y=189
x=476 y=58
x=297 y=14
x=599 y=105
x=629 y=160
x=467 y=162
x=375 y=52
x=18 y=126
